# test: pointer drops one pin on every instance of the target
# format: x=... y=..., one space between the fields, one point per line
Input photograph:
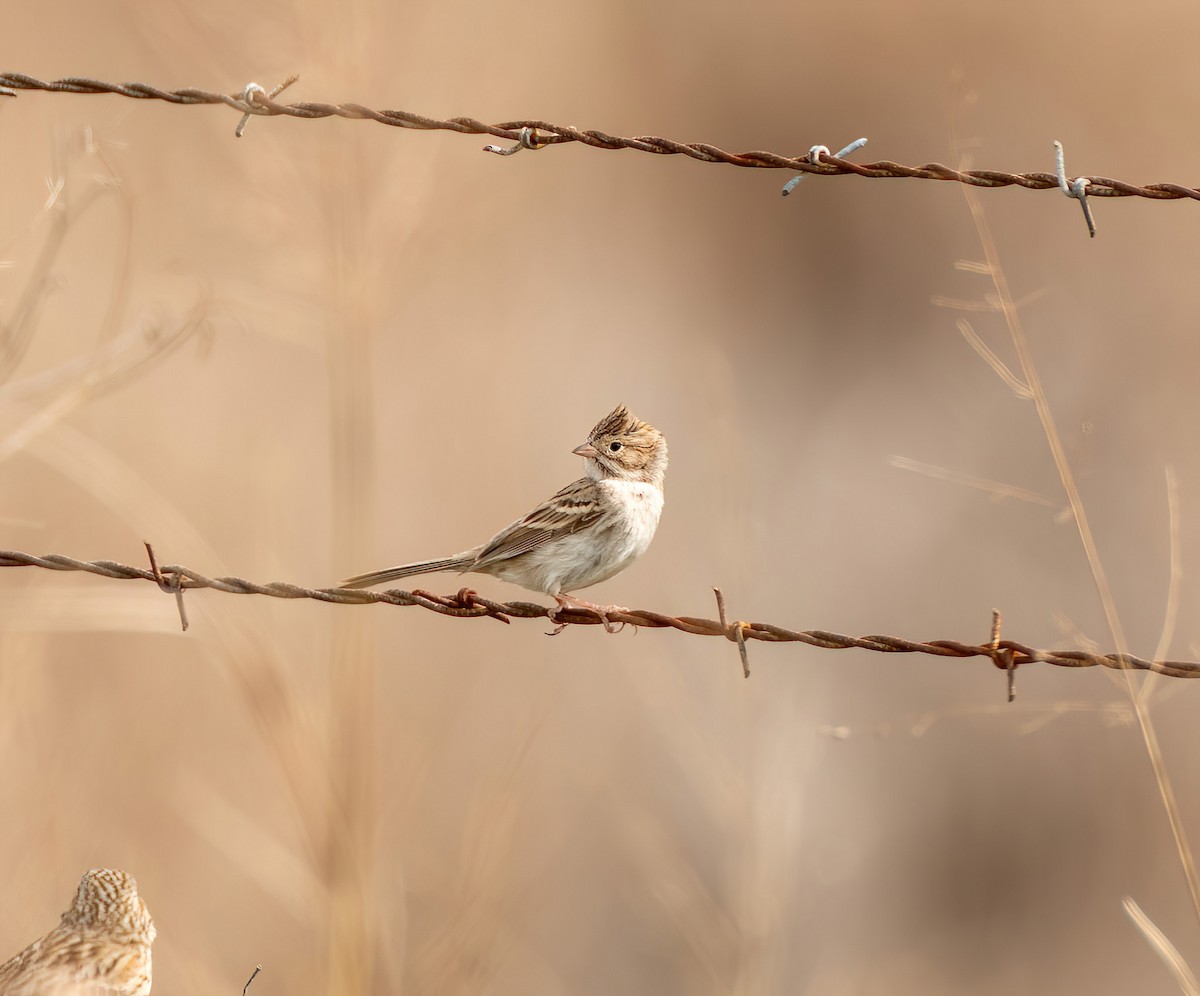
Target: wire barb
x=526 y=139
x=1003 y=657
x=736 y=632
x=173 y=587
x=552 y=134
x=814 y=157
x=249 y=94
x=479 y=607
x=1076 y=188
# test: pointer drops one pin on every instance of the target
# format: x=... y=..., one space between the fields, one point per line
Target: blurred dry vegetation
x=330 y=346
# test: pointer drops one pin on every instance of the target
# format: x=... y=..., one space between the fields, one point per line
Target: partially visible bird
x=592 y=529
x=102 y=945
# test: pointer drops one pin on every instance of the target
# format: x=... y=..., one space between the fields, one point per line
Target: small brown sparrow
x=102 y=945
x=591 y=530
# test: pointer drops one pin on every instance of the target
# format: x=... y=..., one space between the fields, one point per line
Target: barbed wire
x=536 y=134
x=469 y=604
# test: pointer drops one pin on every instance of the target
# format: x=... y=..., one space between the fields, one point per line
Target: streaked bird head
x=624 y=447
x=108 y=900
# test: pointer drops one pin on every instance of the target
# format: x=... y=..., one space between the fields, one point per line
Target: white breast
x=641 y=506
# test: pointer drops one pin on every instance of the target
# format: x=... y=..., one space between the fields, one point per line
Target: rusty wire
x=533 y=134
x=468 y=604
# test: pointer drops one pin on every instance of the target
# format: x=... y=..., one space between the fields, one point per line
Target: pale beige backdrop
x=347 y=345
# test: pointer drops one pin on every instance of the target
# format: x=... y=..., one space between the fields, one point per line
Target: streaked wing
x=575 y=507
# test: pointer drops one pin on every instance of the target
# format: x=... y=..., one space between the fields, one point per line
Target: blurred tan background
x=331 y=346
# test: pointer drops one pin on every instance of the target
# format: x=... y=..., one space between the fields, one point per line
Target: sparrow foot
x=571 y=602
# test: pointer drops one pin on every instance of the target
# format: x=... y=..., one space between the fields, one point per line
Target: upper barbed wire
x=468 y=604
x=541 y=134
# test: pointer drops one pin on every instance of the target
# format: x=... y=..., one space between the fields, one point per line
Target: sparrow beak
x=585 y=450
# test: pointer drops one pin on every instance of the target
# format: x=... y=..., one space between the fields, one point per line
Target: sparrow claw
x=609 y=623
x=552 y=615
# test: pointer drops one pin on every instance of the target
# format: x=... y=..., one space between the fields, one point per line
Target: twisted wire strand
x=532 y=133
x=468 y=604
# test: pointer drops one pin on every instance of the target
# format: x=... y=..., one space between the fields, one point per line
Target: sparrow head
x=108 y=900
x=624 y=447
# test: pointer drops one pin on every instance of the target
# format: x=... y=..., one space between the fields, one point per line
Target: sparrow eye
x=614 y=447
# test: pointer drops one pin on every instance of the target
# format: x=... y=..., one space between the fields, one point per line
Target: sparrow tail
x=407 y=571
